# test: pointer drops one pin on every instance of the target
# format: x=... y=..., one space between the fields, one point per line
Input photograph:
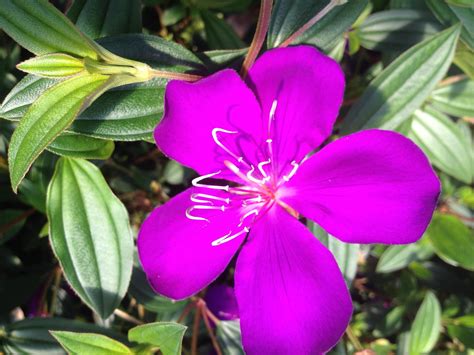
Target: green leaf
x=464 y=59
x=462 y=329
x=327 y=32
x=173 y=15
x=444 y=143
x=89 y=343
x=165 y=335
x=219 y=34
x=77 y=146
x=427 y=326
x=51 y=114
x=452 y=240
x=32 y=336
x=466 y=3
x=52 y=65
x=455 y=98
x=346 y=254
x=229 y=336
x=106 y=18
x=223 y=5
x=90 y=234
x=404 y=85
x=396 y=257
x=397 y=30
x=41 y=28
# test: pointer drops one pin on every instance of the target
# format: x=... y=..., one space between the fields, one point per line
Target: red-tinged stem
x=197 y=319
x=205 y=317
x=174 y=76
x=260 y=33
x=332 y=4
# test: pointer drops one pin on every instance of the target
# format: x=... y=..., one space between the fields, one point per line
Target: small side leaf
x=79 y=146
x=90 y=234
x=427 y=326
x=89 y=343
x=52 y=65
x=167 y=336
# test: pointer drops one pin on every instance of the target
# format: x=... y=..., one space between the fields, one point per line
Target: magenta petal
x=308 y=87
x=292 y=297
x=176 y=253
x=369 y=187
x=193 y=110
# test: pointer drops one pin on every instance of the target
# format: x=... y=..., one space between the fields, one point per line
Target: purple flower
x=220 y=300
x=250 y=142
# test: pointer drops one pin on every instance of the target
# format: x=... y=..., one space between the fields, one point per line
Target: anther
x=227 y=150
x=196 y=182
x=292 y=172
x=228 y=237
x=204 y=198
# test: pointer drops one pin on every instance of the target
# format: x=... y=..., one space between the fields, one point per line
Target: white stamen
x=251 y=178
x=227 y=150
x=196 y=183
x=292 y=172
x=250 y=201
x=194 y=218
x=200 y=198
x=272 y=111
x=254 y=211
x=262 y=171
x=228 y=237
x=201 y=207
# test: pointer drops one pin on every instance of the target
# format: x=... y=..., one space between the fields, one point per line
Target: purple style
x=251 y=142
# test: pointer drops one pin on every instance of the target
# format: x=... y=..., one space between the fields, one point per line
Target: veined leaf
x=404 y=85
x=229 y=335
x=396 y=30
x=444 y=143
x=106 y=18
x=165 y=335
x=426 y=327
x=396 y=257
x=455 y=99
x=452 y=240
x=78 y=146
x=464 y=59
x=52 y=65
x=89 y=343
x=41 y=28
x=51 y=114
x=90 y=234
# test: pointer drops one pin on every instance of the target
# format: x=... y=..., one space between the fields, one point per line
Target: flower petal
x=193 y=110
x=292 y=297
x=308 y=88
x=176 y=252
x=369 y=187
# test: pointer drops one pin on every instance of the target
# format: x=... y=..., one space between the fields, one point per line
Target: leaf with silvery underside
x=229 y=336
x=90 y=234
x=404 y=85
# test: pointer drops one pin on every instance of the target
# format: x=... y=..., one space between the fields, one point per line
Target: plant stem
x=260 y=33
x=174 y=76
x=125 y=316
x=332 y=4
x=353 y=339
x=194 y=339
x=214 y=341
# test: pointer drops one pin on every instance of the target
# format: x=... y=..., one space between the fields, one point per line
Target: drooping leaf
x=229 y=336
x=52 y=65
x=452 y=240
x=106 y=18
x=404 y=85
x=89 y=343
x=455 y=98
x=219 y=34
x=77 y=146
x=51 y=114
x=345 y=254
x=32 y=336
x=427 y=326
x=41 y=28
x=444 y=143
x=396 y=30
x=90 y=234
x=165 y=335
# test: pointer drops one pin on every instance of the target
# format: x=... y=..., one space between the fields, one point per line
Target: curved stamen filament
x=228 y=237
x=237 y=172
x=205 y=198
x=251 y=201
x=227 y=150
x=251 y=178
x=196 y=182
x=201 y=207
x=262 y=171
x=249 y=213
x=292 y=172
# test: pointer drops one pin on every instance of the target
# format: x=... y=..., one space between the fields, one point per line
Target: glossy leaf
x=427 y=326
x=455 y=98
x=345 y=254
x=443 y=142
x=452 y=240
x=48 y=117
x=78 y=146
x=32 y=336
x=89 y=343
x=229 y=336
x=41 y=28
x=90 y=234
x=397 y=257
x=219 y=34
x=52 y=65
x=328 y=31
x=106 y=18
x=404 y=85
x=167 y=336
x=396 y=30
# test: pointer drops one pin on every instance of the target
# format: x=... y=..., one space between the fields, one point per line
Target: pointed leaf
x=89 y=343
x=52 y=65
x=397 y=257
x=90 y=234
x=404 y=85
x=165 y=335
x=427 y=326
x=77 y=146
x=455 y=99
